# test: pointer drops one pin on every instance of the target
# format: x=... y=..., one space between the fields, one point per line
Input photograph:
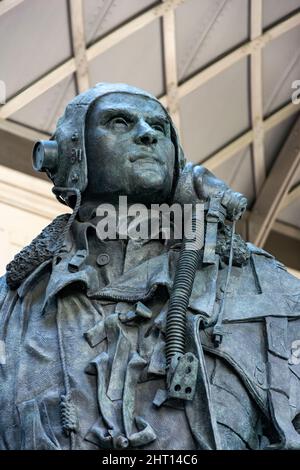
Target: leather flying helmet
x=64 y=157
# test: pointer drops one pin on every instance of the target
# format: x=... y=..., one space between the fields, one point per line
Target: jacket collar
x=137 y=284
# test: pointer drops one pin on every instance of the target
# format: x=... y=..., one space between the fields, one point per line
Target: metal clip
x=212 y=218
x=183 y=376
x=77 y=260
x=76 y=155
x=141 y=312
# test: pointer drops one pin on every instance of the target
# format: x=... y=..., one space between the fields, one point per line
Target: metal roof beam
x=221 y=156
x=6 y=5
x=257 y=97
x=16 y=146
x=21 y=131
x=38 y=88
x=27 y=193
x=276 y=187
x=286 y=230
x=66 y=69
x=291 y=197
x=279 y=227
x=241 y=52
x=170 y=65
x=102 y=45
x=79 y=47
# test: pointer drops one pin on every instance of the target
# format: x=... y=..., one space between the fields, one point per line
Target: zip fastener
x=125 y=298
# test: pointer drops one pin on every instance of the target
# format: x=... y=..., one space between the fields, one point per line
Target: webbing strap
x=279 y=383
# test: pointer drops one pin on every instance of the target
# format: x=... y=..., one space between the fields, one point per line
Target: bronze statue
x=133 y=343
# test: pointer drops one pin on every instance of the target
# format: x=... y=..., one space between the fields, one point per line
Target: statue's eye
x=158 y=127
x=118 y=123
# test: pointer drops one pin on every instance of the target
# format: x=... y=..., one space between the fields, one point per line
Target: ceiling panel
x=215 y=113
x=102 y=16
x=291 y=214
x=281 y=67
x=43 y=112
x=275 y=138
x=296 y=179
x=137 y=60
x=274 y=10
x=206 y=29
x=34 y=38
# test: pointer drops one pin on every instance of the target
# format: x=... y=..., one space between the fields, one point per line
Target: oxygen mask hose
x=237 y=208
x=182 y=366
x=187 y=266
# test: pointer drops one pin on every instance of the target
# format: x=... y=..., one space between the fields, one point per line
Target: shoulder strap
x=3 y=290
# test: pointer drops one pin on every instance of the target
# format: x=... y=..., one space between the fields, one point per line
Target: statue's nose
x=145 y=135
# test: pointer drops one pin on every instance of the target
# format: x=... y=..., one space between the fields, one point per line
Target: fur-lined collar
x=43 y=247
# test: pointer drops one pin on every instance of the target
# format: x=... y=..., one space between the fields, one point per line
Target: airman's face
x=129 y=149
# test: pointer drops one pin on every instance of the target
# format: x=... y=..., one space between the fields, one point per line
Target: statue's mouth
x=144 y=158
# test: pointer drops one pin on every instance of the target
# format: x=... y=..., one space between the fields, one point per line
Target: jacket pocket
x=36 y=429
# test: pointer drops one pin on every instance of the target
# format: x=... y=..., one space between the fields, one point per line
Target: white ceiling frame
x=263 y=218
x=69 y=67
x=22 y=131
x=175 y=92
x=238 y=54
x=291 y=197
x=211 y=162
x=286 y=230
x=294 y=272
x=38 y=88
x=256 y=81
x=102 y=45
x=7 y=5
x=268 y=204
x=221 y=156
x=170 y=66
x=224 y=154
x=79 y=45
x=28 y=193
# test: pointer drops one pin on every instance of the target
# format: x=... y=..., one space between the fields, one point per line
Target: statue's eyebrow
x=110 y=112
x=158 y=117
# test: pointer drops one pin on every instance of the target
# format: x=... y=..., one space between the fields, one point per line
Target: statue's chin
x=152 y=179
x=150 y=183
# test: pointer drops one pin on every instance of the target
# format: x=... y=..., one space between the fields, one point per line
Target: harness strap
x=213 y=217
x=200 y=411
x=279 y=383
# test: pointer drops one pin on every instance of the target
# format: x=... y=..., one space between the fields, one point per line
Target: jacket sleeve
x=3 y=290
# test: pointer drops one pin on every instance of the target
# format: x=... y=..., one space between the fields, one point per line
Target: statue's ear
x=207 y=185
x=181 y=158
x=185 y=191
